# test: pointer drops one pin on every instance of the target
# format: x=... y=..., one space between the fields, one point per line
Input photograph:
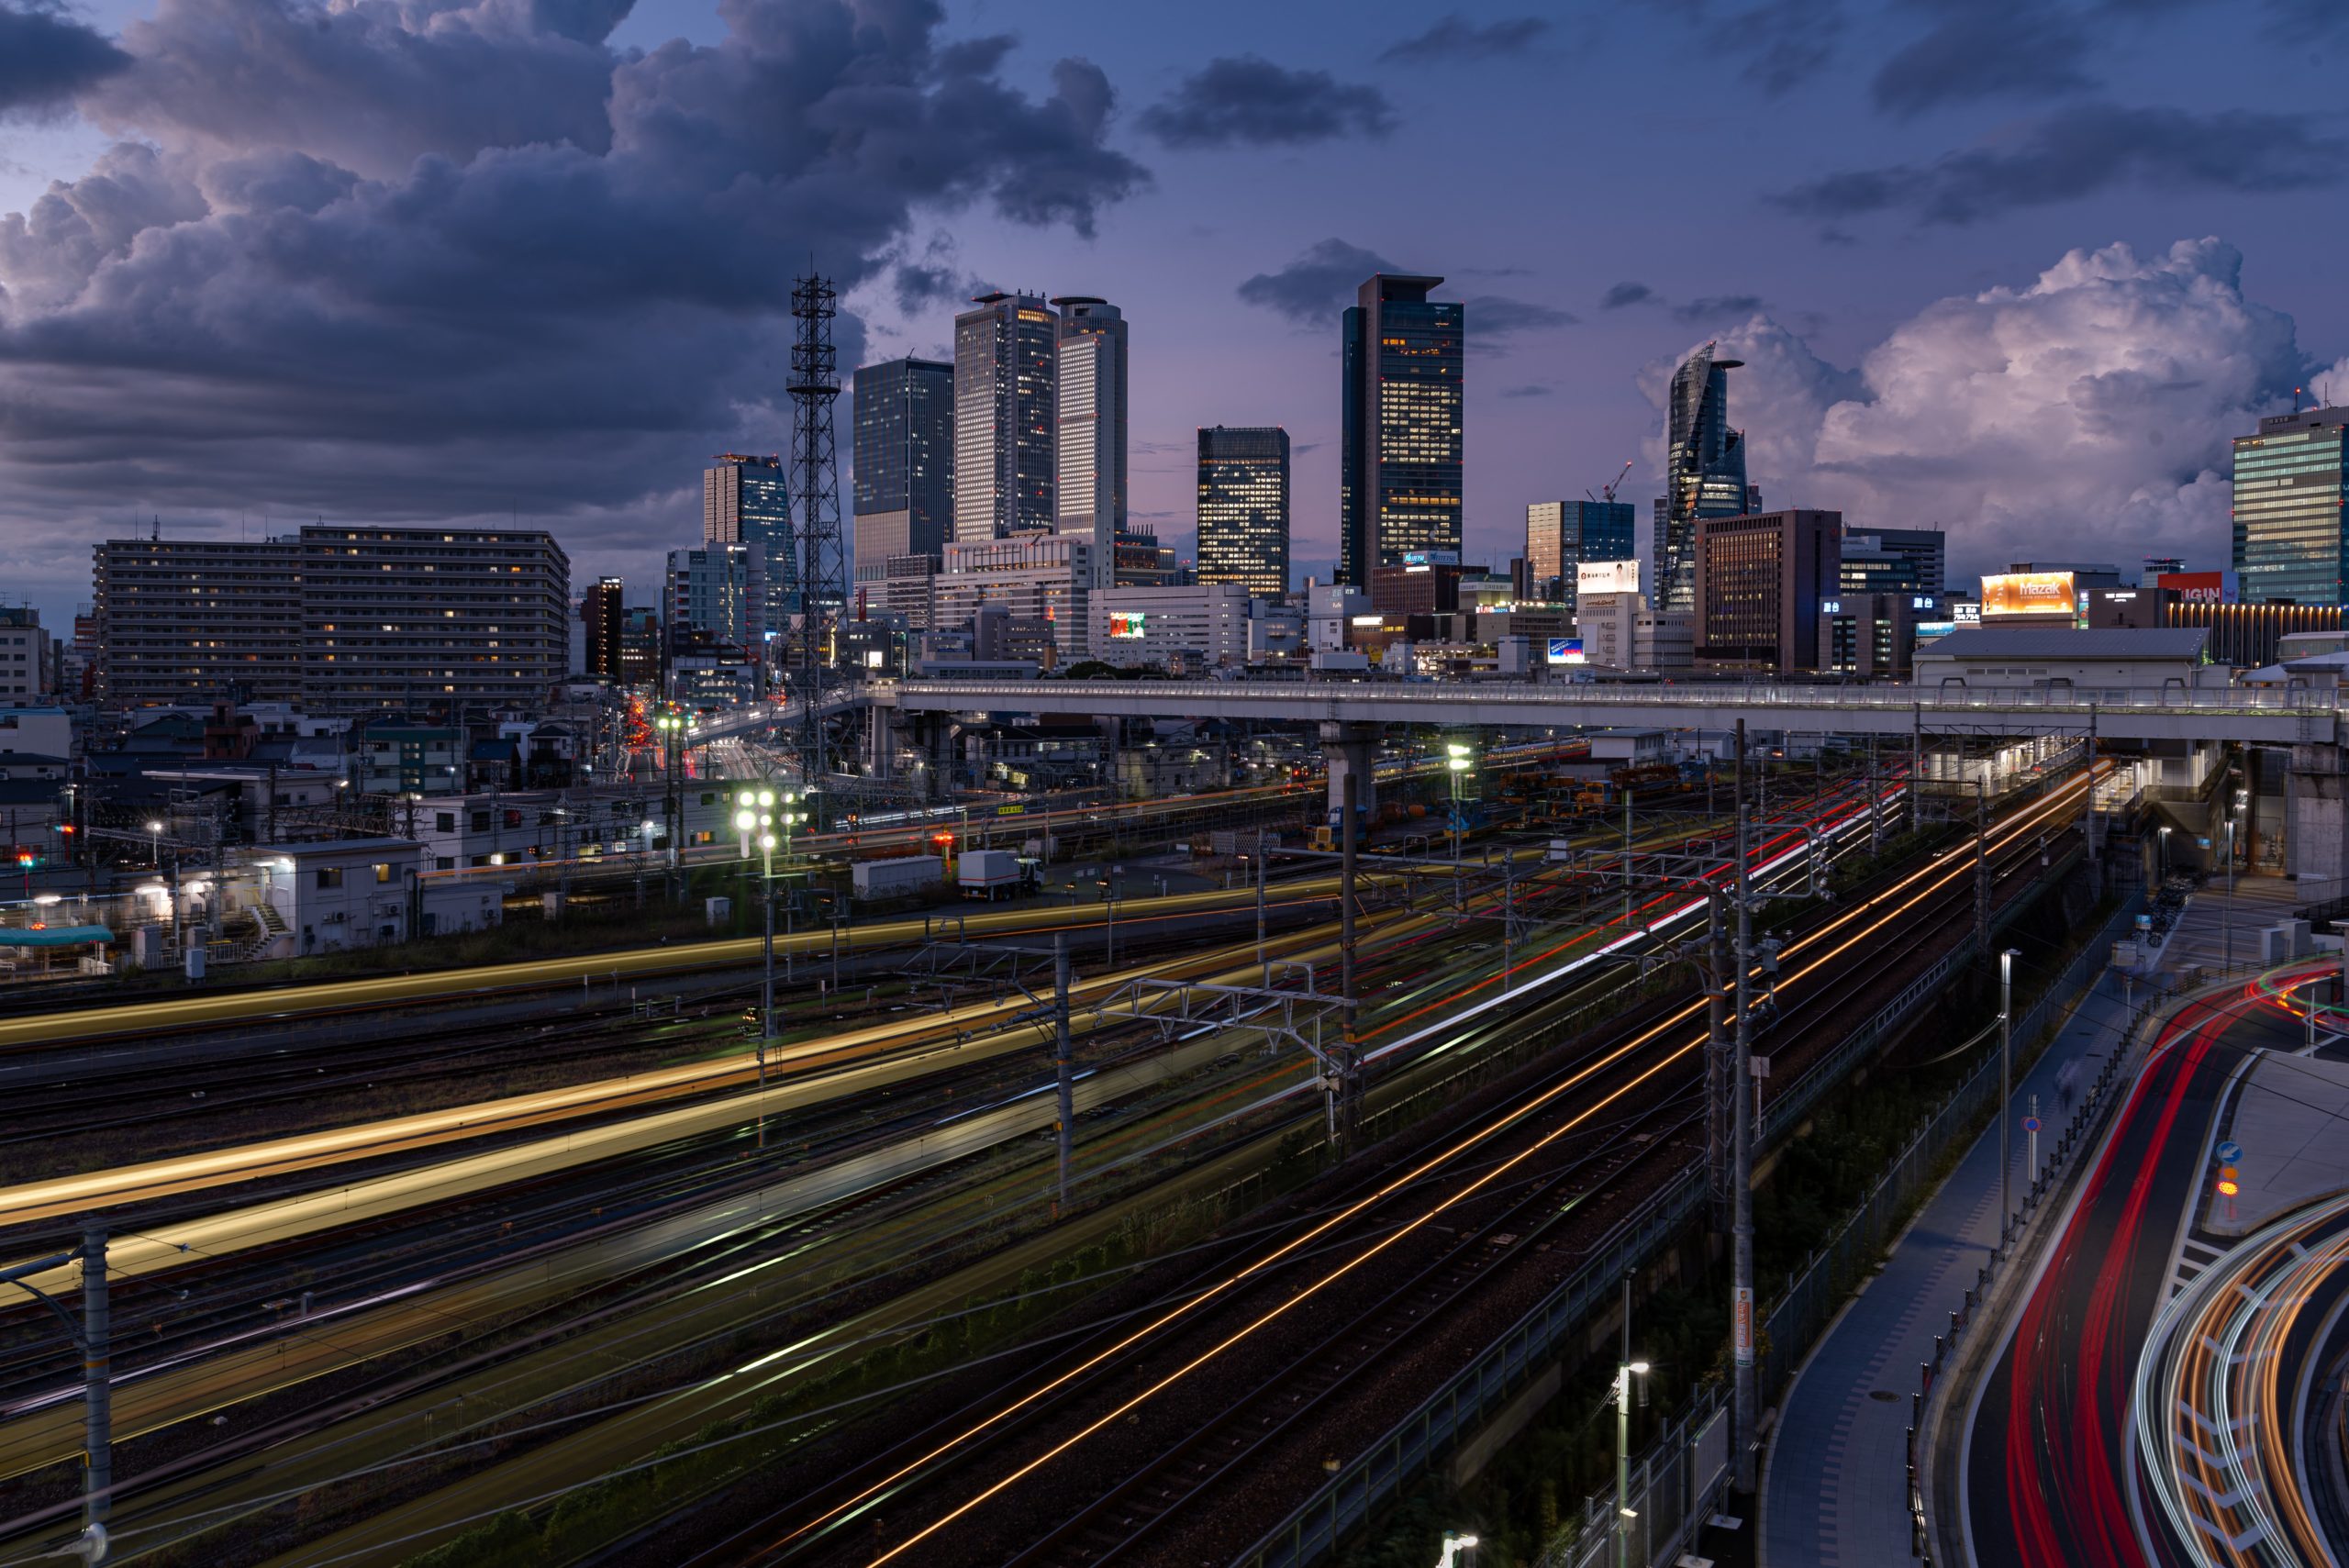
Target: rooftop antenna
x=2296 y=400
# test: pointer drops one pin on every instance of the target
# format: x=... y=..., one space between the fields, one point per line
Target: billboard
x=1566 y=651
x=1965 y=615
x=1128 y=623
x=1606 y=577
x=2194 y=588
x=2031 y=594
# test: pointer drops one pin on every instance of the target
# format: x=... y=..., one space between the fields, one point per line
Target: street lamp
x=2162 y=839
x=155 y=844
x=1625 y=1371
x=754 y=814
x=1457 y=763
x=1457 y=1549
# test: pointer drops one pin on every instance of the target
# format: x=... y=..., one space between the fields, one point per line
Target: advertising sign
x=1606 y=577
x=1128 y=623
x=1566 y=651
x=2030 y=593
x=1741 y=1323
x=1965 y=615
x=2194 y=588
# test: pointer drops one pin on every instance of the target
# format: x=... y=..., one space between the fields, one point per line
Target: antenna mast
x=815 y=501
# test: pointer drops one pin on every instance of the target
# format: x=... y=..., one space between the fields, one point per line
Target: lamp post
x=2006 y=1087
x=1625 y=1371
x=155 y=844
x=2228 y=910
x=2162 y=839
x=753 y=814
x=1457 y=763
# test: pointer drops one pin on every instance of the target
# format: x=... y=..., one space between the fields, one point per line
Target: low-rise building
x=2002 y=658
x=1149 y=625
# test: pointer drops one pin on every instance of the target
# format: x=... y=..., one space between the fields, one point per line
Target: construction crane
x=1608 y=494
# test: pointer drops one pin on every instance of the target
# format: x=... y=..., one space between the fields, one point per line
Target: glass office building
x=1895 y=561
x=903 y=492
x=1562 y=535
x=1704 y=473
x=1007 y=384
x=2291 y=509
x=1244 y=508
x=747 y=500
x=1401 y=355
x=1090 y=427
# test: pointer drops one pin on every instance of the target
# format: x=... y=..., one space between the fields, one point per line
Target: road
x=2048 y=1474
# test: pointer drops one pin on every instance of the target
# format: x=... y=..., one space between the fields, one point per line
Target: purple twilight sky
x=2015 y=267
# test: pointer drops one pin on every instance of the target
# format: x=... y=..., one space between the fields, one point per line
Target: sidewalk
x=1834 y=1489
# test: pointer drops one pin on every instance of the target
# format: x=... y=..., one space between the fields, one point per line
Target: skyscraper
x=903 y=501
x=1090 y=427
x=1760 y=583
x=747 y=500
x=1910 y=562
x=1703 y=473
x=1562 y=535
x=716 y=599
x=603 y=614
x=2291 y=510
x=1006 y=406
x=1244 y=508
x=1399 y=486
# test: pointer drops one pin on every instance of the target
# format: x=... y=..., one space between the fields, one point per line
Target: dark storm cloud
x=1778 y=44
x=46 y=57
x=1313 y=288
x=2081 y=151
x=1249 y=101
x=540 y=309
x=1986 y=48
x=1718 y=304
x=1496 y=318
x=1626 y=293
x=1531 y=389
x=1456 y=37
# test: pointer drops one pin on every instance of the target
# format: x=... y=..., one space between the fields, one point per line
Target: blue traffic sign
x=2031 y=1124
x=2231 y=1153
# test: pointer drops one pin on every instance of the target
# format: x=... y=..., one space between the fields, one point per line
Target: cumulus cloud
x=1986 y=48
x=1246 y=100
x=2092 y=407
x=452 y=258
x=2081 y=151
x=1313 y=288
x=1454 y=37
x=46 y=57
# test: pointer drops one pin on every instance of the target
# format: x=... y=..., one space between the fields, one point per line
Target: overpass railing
x=2064 y=698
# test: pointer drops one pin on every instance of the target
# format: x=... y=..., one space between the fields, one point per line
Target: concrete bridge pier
x=2316 y=813
x=881 y=740
x=1352 y=747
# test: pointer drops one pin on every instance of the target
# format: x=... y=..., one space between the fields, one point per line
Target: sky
x=2014 y=268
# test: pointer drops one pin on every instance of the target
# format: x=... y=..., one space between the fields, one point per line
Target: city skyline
x=1855 y=318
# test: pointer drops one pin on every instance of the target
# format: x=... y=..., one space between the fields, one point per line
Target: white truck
x=896 y=878
x=991 y=873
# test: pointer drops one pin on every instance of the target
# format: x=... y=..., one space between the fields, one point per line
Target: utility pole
x=2087 y=815
x=1917 y=768
x=1718 y=1073
x=1875 y=805
x=1259 y=903
x=97 y=1390
x=1063 y=1078
x=1348 y=848
x=1742 y=1131
x=1626 y=1370
x=1982 y=864
x=2005 y=1090
x=1508 y=920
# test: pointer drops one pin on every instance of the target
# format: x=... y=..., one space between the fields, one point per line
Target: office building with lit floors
x=1244 y=508
x=1006 y=407
x=1401 y=357
x=602 y=612
x=747 y=500
x=2291 y=508
x=1034 y=577
x=1704 y=463
x=1560 y=536
x=1089 y=427
x=1761 y=583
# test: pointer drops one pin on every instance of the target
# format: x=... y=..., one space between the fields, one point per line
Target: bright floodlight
x=1640 y=1367
x=748 y=797
x=650 y=826
x=154 y=826
x=766 y=798
x=745 y=821
x=45 y=899
x=766 y=841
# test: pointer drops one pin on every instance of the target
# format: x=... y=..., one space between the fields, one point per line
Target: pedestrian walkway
x=2219 y=933
x=1834 y=1484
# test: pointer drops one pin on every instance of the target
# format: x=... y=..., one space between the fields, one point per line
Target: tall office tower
x=716 y=597
x=1006 y=403
x=1704 y=473
x=605 y=616
x=1400 y=416
x=2291 y=512
x=903 y=503
x=1895 y=561
x=1090 y=426
x=1244 y=508
x=747 y=500
x=1562 y=535
x=1760 y=583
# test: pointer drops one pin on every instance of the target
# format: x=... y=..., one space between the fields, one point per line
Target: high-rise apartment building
x=1244 y=508
x=716 y=597
x=1089 y=427
x=641 y=647
x=1895 y=561
x=1401 y=356
x=1006 y=409
x=747 y=500
x=2291 y=508
x=460 y=621
x=604 y=613
x=1761 y=582
x=903 y=500
x=1704 y=465
x=197 y=621
x=1562 y=535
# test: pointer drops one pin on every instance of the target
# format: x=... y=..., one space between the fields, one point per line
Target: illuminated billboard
x=2029 y=595
x=1607 y=577
x=2194 y=588
x=1129 y=624
x=1566 y=651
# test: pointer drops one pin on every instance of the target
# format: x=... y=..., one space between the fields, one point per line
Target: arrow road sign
x=2231 y=1153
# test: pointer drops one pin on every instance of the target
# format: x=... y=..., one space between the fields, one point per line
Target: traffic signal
x=2227 y=1187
